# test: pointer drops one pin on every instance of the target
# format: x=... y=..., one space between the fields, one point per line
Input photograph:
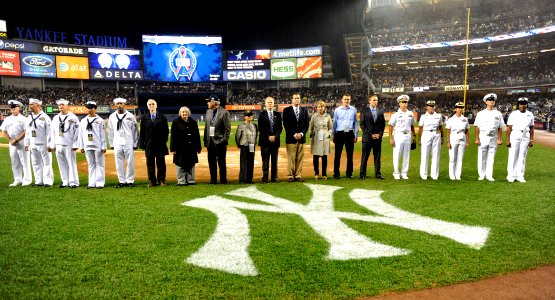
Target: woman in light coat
x=320 y=129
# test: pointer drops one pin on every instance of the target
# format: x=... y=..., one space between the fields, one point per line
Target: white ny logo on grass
x=226 y=250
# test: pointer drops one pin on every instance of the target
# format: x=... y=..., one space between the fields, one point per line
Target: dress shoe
x=99 y=187
x=380 y=177
x=131 y=184
x=290 y=179
x=362 y=177
x=15 y=184
x=213 y=182
x=336 y=176
x=61 y=186
x=324 y=177
x=350 y=176
x=299 y=179
x=315 y=177
x=521 y=179
x=26 y=184
x=120 y=185
x=90 y=187
x=150 y=184
x=47 y=185
x=490 y=179
x=275 y=180
x=404 y=177
x=191 y=183
x=264 y=179
x=163 y=183
x=73 y=186
x=39 y=184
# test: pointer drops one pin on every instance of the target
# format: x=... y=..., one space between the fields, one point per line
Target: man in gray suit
x=216 y=134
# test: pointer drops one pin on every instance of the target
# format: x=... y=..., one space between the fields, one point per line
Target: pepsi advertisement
x=182 y=58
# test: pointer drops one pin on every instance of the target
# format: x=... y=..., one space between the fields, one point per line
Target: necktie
x=297 y=113
x=120 y=121
x=271 y=117
x=62 y=124
x=374 y=113
x=33 y=121
x=152 y=117
x=89 y=124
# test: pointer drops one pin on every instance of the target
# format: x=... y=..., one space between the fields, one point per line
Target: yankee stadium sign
x=227 y=250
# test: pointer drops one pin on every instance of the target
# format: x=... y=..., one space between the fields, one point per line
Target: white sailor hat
x=522 y=100
x=459 y=104
x=36 y=101
x=430 y=103
x=90 y=104
x=490 y=96
x=119 y=100
x=14 y=103
x=62 y=101
x=403 y=98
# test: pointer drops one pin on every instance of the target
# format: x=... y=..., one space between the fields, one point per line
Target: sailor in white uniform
x=37 y=140
x=65 y=131
x=457 y=135
x=430 y=135
x=92 y=142
x=123 y=135
x=489 y=125
x=13 y=128
x=520 y=136
x=401 y=133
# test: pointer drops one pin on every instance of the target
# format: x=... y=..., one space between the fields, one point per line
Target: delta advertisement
x=115 y=64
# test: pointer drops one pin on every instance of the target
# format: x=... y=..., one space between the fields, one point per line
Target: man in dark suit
x=270 y=127
x=153 y=137
x=295 y=122
x=216 y=134
x=372 y=123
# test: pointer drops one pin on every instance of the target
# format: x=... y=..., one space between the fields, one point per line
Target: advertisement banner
x=450 y=88
x=243 y=75
x=38 y=65
x=244 y=107
x=19 y=46
x=63 y=50
x=111 y=74
x=284 y=69
x=309 y=67
x=72 y=67
x=297 y=52
x=9 y=63
x=247 y=60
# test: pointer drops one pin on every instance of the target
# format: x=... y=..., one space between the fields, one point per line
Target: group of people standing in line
x=32 y=140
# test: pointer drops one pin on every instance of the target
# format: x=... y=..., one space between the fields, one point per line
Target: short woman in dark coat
x=185 y=145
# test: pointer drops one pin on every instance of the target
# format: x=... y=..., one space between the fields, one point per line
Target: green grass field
x=136 y=243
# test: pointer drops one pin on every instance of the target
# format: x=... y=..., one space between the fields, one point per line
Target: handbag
x=413 y=144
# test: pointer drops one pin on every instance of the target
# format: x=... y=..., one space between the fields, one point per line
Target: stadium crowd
x=102 y=96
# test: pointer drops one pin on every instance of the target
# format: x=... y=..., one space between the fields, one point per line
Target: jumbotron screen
x=182 y=58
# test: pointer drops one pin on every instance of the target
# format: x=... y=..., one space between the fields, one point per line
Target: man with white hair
x=520 y=136
x=13 y=128
x=489 y=124
x=65 y=131
x=92 y=142
x=401 y=133
x=123 y=135
x=37 y=140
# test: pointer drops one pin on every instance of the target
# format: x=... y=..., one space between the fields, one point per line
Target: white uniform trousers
x=41 y=160
x=517 y=157
x=125 y=153
x=97 y=177
x=21 y=165
x=401 y=149
x=431 y=143
x=456 y=154
x=67 y=164
x=486 y=156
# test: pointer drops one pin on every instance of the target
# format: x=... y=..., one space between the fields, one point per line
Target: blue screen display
x=119 y=59
x=38 y=65
x=182 y=59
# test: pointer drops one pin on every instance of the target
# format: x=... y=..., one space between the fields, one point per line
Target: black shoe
x=61 y=186
x=120 y=185
x=131 y=184
x=191 y=183
x=290 y=179
x=39 y=184
x=275 y=180
x=90 y=187
x=99 y=187
x=336 y=176
x=73 y=186
x=380 y=177
x=213 y=182
x=264 y=179
x=299 y=179
x=47 y=185
x=350 y=176
x=362 y=177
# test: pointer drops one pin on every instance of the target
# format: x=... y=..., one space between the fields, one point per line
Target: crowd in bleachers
x=166 y=87
x=447 y=21
x=509 y=72
x=48 y=96
x=283 y=96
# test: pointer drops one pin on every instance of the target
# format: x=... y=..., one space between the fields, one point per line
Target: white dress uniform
x=402 y=135
x=65 y=131
x=488 y=121
x=21 y=164
x=37 y=139
x=458 y=127
x=124 y=138
x=431 y=143
x=520 y=139
x=92 y=139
